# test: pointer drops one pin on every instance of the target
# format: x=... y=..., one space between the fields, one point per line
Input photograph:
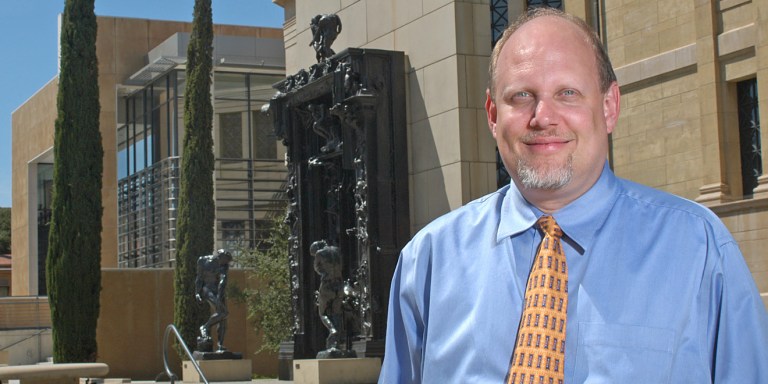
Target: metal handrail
x=168 y=371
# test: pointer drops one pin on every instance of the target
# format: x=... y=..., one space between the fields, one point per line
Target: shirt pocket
x=616 y=353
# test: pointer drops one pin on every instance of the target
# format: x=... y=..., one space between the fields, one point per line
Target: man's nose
x=544 y=115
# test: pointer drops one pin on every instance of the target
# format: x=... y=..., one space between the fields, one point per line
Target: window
x=231 y=135
x=499 y=18
x=234 y=235
x=147 y=171
x=545 y=3
x=150 y=130
x=749 y=135
x=264 y=140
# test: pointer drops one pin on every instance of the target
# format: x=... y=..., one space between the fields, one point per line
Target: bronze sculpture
x=324 y=28
x=211 y=286
x=342 y=121
x=330 y=297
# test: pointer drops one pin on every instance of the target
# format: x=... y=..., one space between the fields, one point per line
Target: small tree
x=5 y=230
x=194 y=233
x=73 y=273
x=269 y=304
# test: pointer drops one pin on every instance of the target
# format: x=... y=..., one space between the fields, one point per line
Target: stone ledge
x=740 y=206
x=736 y=39
x=53 y=373
x=658 y=65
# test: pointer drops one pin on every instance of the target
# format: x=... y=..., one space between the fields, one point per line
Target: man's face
x=549 y=117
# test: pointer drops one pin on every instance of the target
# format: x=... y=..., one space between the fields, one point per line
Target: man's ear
x=611 y=106
x=490 y=112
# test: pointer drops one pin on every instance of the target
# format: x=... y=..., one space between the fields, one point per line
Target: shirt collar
x=579 y=220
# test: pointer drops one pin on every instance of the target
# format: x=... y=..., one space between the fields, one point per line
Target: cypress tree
x=195 y=223
x=73 y=274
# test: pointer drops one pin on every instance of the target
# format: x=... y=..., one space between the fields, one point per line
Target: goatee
x=545 y=176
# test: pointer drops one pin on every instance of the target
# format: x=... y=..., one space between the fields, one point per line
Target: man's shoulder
x=662 y=202
x=483 y=208
x=457 y=232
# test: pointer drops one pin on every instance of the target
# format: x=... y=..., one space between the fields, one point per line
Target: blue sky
x=28 y=38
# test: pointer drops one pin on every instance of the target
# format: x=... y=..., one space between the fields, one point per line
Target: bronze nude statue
x=211 y=286
x=324 y=28
x=330 y=296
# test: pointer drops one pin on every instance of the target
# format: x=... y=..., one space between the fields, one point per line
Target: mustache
x=531 y=137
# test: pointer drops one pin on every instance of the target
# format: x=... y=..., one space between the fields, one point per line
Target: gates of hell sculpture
x=344 y=125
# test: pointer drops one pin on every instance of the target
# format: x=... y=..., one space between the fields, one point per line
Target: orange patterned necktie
x=539 y=353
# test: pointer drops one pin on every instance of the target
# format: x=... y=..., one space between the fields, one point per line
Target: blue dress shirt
x=658 y=292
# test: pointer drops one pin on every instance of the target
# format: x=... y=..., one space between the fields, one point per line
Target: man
x=211 y=286
x=657 y=290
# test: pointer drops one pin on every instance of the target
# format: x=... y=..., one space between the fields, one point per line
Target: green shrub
x=269 y=304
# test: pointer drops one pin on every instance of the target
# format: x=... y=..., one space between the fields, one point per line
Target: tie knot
x=549 y=226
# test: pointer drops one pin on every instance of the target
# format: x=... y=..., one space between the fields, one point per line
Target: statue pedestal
x=337 y=371
x=222 y=355
x=217 y=370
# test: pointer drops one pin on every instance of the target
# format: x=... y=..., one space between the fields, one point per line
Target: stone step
x=53 y=373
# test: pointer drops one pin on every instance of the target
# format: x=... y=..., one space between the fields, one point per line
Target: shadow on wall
x=429 y=197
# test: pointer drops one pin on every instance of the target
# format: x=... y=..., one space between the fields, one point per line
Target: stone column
x=710 y=94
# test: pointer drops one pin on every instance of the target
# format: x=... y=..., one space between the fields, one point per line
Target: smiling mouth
x=550 y=143
x=546 y=146
x=552 y=140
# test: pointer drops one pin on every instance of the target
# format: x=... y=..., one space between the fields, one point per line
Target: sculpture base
x=337 y=371
x=217 y=370
x=335 y=353
x=219 y=355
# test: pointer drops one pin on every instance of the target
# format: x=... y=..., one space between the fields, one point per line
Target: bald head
x=605 y=69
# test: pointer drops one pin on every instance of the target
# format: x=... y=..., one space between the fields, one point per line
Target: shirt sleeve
x=737 y=324
x=405 y=326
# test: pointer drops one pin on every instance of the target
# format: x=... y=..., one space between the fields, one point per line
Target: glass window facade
x=248 y=177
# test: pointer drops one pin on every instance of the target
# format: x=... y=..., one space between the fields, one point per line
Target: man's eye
x=569 y=92
x=521 y=96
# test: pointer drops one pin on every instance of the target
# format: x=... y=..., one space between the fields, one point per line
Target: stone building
x=690 y=72
x=141 y=81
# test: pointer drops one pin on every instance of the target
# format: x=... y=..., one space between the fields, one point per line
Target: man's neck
x=546 y=204
x=552 y=200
